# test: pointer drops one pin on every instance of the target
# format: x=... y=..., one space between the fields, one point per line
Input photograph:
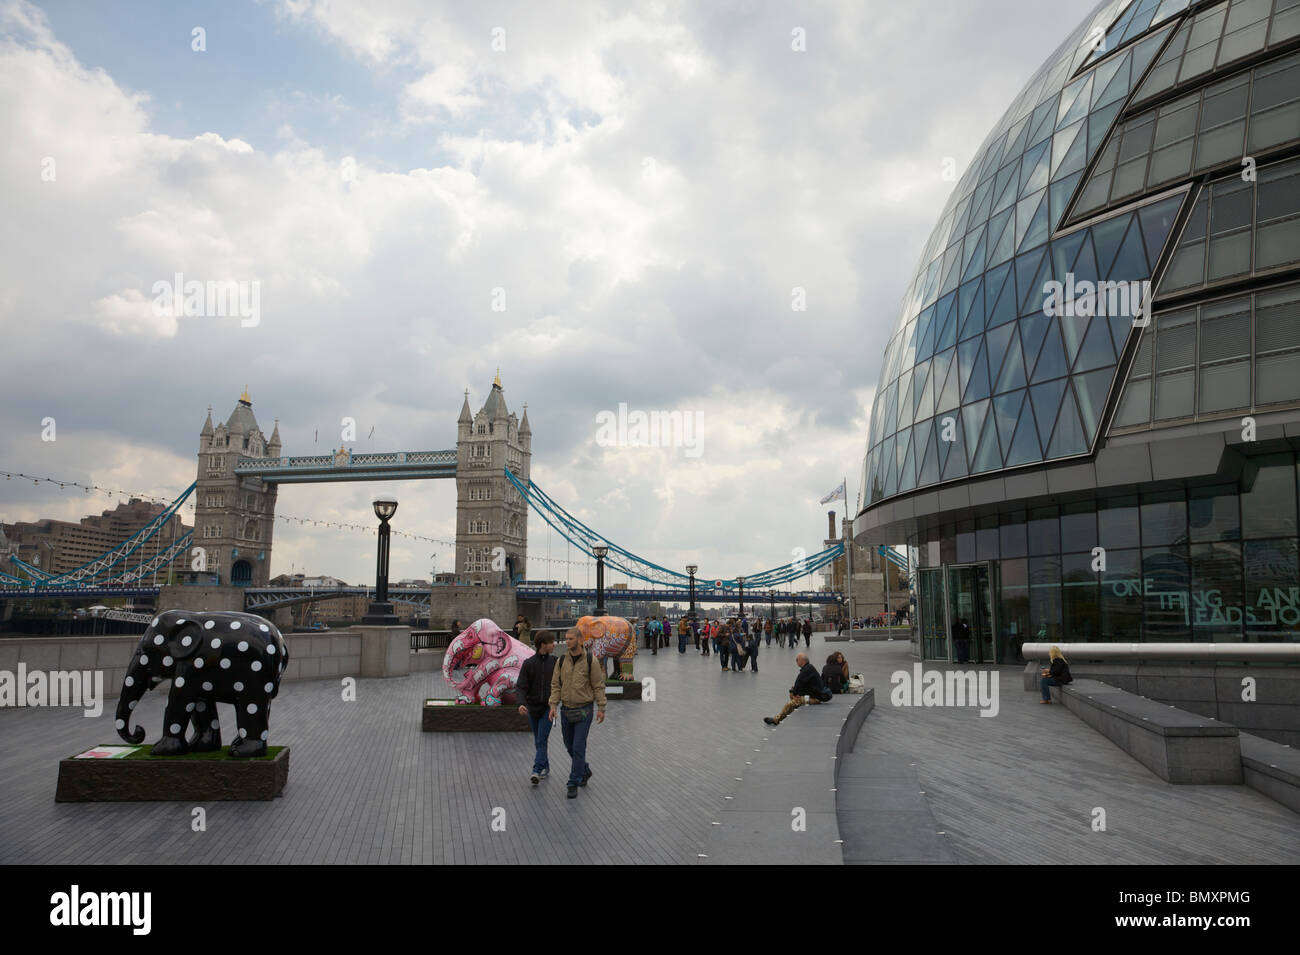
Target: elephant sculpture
x=610 y=638
x=210 y=658
x=491 y=658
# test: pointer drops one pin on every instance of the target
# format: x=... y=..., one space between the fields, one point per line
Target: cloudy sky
x=642 y=186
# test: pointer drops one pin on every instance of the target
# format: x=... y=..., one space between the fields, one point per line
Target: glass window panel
x=1225 y=387
x=1278 y=193
x=1012 y=539
x=1243 y=13
x=1278 y=243
x=1231 y=208
x=1172 y=162
x=1275 y=126
x=1117 y=523
x=1229 y=255
x=1213 y=514
x=1095 y=194
x=1268 y=499
x=1175 y=395
x=1164 y=518
x=1225 y=330
x=1136 y=141
x=1216 y=592
x=1177 y=121
x=1277 y=318
x=1277 y=378
x=1286 y=24
x=1078 y=526
x=965 y=541
x=1045 y=598
x=1272 y=572
x=1128 y=178
x=1135 y=405
x=1243 y=42
x=1187 y=268
x=1219 y=145
x=1224 y=103
x=1082 y=610
x=1013 y=607
x=986 y=538
x=1196 y=62
x=1166 y=607
x=1044 y=531
x=1176 y=340
x=1121 y=596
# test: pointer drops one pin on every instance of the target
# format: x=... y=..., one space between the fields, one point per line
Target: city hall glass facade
x=1114 y=459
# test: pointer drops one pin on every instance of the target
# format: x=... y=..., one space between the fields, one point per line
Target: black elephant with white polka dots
x=211 y=658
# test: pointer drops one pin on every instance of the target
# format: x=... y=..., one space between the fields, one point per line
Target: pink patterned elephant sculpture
x=491 y=659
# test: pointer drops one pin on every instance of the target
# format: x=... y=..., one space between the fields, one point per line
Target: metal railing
x=1193 y=652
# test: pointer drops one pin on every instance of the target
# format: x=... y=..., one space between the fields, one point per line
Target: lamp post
x=691 y=569
x=600 y=550
x=771 y=610
x=381 y=611
x=740 y=582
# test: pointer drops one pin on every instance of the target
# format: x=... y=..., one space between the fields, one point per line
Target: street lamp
x=380 y=612
x=691 y=569
x=740 y=582
x=771 y=609
x=599 y=551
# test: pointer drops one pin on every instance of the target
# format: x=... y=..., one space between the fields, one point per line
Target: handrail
x=1227 y=652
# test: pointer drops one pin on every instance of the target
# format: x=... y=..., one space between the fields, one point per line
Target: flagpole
x=848 y=549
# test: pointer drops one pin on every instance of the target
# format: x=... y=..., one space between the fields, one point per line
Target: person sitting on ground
x=806 y=684
x=1058 y=674
x=835 y=675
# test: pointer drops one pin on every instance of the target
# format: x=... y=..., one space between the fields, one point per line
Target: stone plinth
x=443 y=716
x=177 y=778
x=385 y=651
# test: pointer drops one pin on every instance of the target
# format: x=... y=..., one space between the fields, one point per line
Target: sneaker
x=544 y=774
x=535 y=778
x=572 y=792
x=769 y=721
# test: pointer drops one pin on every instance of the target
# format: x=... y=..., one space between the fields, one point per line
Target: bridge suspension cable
x=584 y=538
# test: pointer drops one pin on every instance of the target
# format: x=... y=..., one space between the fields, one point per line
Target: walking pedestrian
x=807 y=632
x=706 y=633
x=577 y=683
x=723 y=646
x=535 y=687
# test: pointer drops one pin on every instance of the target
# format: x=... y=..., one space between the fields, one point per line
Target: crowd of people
x=734 y=641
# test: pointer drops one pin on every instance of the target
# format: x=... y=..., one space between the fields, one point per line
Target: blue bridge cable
x=633 y=565
x=40 y=578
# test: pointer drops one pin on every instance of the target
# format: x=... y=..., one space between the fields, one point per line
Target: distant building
x=62 y=546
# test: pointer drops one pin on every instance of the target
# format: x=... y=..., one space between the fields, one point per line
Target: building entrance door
x=933 y=621
x=970 y=601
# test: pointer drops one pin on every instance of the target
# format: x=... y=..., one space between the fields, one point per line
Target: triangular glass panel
x=1157 y=221
x=890 y=467
x=1068 y=96
x=1025 y=447
x=945 y=316
x=1075 y=158
x=1038 y=228
x=1032 y=329
x=1007 y=185
x=1046 y=398
x=918 y=388
x=972 y=419
x=1068 y=438
x=1025 y=210
x=953 y=267
x=976 y=264
x=1042 y=121
x=972 y=241
x=1116 y=87
x=1027 y=269
x=982 y=201
x=1072 y=332
x=1059 y=196
x=988 y=457
x=1146 y=50
x=925 y=407
x=970 y=306
x=950 y=396
x=1081 y=104
x=1121 y=326
x=1051 y=357
x=1006 y=409
x=1005 y=246
x=1106 y=237
x=978 y=385
x=1099 y=124
x=959 y=217
x=1034 y=169
x=905 y=413
x=954 y=464
x=939 y=369
x=1036 y=294
x=1092 y=389
x=1016 y=140
x=1062 y=142
x=907 y=477
x=1064 y=250
x=1097 y=350
x=1004 y=307
x=1085 y=263
x=1130 y=264
x=966 y=353
x=930 y=464
x=1013 y=368
x=997 y=341
x=1105 y=73
x=925 y=335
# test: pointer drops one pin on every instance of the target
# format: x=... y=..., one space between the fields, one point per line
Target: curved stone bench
x=1272 y=768
x=1177 y=746
x=794 y=766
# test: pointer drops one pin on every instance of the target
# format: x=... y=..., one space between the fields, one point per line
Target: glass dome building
x=1088 y=414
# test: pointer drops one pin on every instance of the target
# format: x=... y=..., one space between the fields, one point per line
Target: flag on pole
x=838 y=492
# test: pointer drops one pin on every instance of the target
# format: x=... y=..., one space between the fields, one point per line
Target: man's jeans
x=575 y=741
x=541 y=727
x=681 y=643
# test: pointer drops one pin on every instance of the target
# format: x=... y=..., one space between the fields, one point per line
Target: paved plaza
x=367 y=786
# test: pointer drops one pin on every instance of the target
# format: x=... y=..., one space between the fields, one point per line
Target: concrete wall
x=468 y=604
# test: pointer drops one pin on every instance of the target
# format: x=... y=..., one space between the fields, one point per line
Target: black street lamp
x=691 y=569
x=771 y=610
x=740 y=582
x=600 y=550
x=380 y=612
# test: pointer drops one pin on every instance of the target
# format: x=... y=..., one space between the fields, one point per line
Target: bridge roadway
x=366 y=786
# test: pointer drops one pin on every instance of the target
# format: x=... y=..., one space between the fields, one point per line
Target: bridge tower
x=234 y=516
x=491 y=516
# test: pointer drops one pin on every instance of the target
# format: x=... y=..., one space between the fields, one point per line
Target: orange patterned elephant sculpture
x=609 y=638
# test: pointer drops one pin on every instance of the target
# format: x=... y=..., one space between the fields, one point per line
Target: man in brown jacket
x=578 y=682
